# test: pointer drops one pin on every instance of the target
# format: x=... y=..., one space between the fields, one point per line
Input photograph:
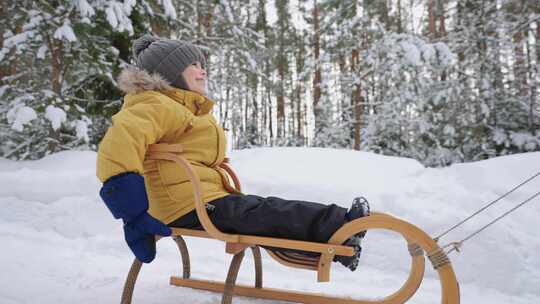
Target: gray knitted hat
x=166 y=57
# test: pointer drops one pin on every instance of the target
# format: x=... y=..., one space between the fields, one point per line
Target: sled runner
x=419 y=245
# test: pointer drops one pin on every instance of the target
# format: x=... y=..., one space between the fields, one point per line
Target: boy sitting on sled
x=166 y=103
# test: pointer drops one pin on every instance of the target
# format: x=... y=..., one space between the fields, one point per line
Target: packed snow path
x=61 y=245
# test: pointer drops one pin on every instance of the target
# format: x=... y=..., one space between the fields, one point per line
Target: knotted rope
x=455 y=246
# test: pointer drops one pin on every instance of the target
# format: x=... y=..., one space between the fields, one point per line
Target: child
x=166 y=103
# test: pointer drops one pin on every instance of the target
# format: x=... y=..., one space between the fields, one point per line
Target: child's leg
x=272 y=217
x=276 y=217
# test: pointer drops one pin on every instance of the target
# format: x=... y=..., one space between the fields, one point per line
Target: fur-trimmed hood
x=137 y=83
x=133 y=80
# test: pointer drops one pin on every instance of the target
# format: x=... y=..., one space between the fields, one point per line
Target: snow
x=228 y=12
x=35 y=20
x=55 y=115
x=111 y=16
x=411 y=53
x=3 y=89
x=81 y=128
x=41 y=52
x=128 y=6
x=65 y=32
x=499 y=136
x=16 y=40
x=118 y=15
x=524 y=140
x=61 y=244
x=445 y=54
x=20 y=116
x=169 y=9
x=85 y=9
x=252 y=62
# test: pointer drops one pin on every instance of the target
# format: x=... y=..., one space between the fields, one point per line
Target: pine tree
x=63 y=57
x=411 y=117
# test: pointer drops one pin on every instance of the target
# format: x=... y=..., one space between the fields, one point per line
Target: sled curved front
x=414 y=235
x=417 y=240
x=407 y=290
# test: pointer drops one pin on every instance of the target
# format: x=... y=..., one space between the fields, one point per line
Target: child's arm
x=120 y=167
x=123 y=147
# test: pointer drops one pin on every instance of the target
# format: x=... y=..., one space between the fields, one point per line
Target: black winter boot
x=359 y=208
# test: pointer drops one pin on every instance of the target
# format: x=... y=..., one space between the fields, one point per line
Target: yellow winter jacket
x=154 y=112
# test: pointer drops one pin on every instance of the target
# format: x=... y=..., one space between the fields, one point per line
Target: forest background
x=438 y=81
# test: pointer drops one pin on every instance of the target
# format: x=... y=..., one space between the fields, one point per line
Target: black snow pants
x=271 y=217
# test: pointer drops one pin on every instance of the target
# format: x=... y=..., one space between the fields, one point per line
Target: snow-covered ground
x=59 y=244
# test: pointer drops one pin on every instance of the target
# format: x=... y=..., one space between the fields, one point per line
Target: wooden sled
x=418 y=243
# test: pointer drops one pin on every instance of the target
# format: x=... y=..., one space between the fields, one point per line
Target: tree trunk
x=299 y=118
x=442 y=19
x=356 y=101
x=383 y=13
x=344 y=107
x=283 y=28
x=432 y=26
x=261 y=25
x=255 y=113
x=532 y=97
x=300 y=66
x=442 y=29
x=56 y=47
x=356 y=97
x=317 y=79
x=519 y=65
x=399 y=26
x=538 y=43
x=13 y=64
x=270 y=124
x=460 y=21
x=204 y=19
x=520 y=72
x=280 y=100
x=264 y=108
x=3 y=17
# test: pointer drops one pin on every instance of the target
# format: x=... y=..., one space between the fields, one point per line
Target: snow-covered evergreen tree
x=499 y=115
x=414 y=114
x=63 y=57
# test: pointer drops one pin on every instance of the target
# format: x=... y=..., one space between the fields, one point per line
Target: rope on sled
x=456 y=245
x=438 y=258
x=415 y=250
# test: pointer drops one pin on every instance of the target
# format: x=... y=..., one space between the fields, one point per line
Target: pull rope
x=489 y=205
x=456 y=246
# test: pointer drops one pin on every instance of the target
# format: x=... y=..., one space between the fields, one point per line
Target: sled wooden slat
x=416 y=239
x=298 y=245
x=273 y=242
x=191 y=232
x=235 y=248
x=266 y=293
x=289 y=263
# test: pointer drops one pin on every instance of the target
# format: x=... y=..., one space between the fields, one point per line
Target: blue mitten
x=125 y=196
x=139 y=234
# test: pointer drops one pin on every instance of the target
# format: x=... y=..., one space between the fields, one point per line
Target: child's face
x=195 y=78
